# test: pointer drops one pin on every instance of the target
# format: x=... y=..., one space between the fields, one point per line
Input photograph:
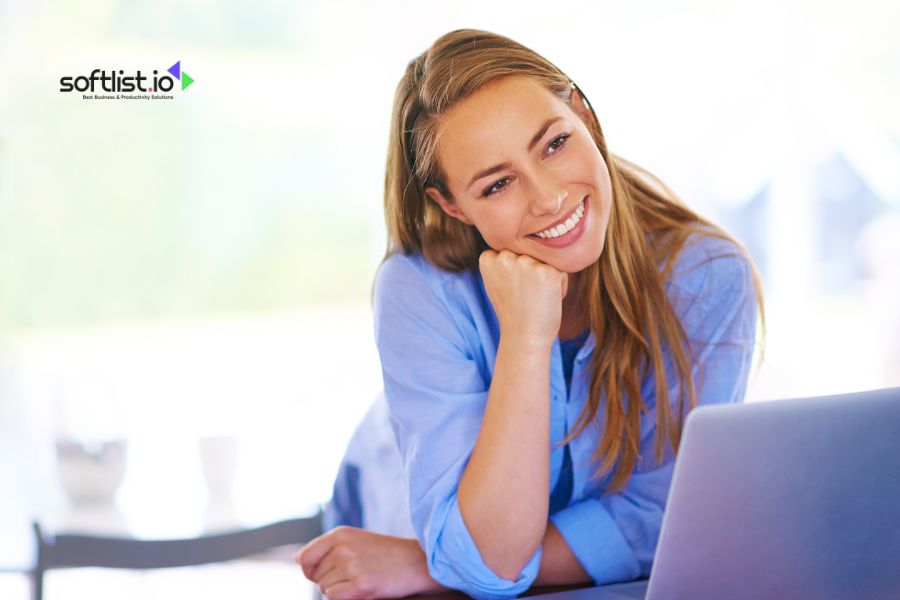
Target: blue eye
x=495 y=187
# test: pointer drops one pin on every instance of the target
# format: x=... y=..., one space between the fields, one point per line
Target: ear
x=448 y=206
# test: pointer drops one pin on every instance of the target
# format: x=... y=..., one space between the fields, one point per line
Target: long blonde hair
x=622 y=295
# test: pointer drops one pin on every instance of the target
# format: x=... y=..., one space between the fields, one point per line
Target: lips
x=573 y=230
x=563 y=225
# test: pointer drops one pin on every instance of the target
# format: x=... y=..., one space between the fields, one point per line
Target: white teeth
x=563 y=228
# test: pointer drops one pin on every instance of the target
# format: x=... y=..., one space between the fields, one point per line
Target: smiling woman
x=530 y=202
x=546 y=316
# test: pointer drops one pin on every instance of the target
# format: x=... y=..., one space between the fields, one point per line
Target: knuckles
x=305 y=561
x=364 y=587
x=514 y=269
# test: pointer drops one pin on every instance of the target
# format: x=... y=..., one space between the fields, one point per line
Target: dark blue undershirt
x=562 y=493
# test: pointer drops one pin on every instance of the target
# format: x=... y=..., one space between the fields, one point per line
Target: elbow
x=491 y=586
x=468 y=572
x=505 y=549
x=508 y=565
x=486 y=565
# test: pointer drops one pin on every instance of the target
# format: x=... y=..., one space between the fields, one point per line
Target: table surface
x=535 y=591
x=628 y=588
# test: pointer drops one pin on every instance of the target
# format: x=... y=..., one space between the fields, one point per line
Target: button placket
x=580 y=390
x=557 y=381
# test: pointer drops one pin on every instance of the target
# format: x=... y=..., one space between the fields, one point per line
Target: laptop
x=789 y=499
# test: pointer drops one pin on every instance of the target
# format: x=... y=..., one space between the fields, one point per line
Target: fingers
x=335 y=577
x=310 y=555
x=329 y=563
x=486 y=258
x=490 y=260
x=489 y=257
x=347 y=590
x=362 y=565
x=337 y=573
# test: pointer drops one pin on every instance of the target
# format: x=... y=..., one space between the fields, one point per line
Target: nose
x=548 y=198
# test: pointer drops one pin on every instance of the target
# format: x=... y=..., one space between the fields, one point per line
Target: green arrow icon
x=186 y=80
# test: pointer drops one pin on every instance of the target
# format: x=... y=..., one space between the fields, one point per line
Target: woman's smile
x=566 y=230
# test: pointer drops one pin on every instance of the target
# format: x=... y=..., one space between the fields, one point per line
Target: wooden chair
x=71 y=550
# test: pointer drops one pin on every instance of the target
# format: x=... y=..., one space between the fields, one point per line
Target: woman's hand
x=526 y=294
x=351 y=563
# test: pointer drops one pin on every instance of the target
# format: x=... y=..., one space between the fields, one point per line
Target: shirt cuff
x=456 y=562
x=597 y=542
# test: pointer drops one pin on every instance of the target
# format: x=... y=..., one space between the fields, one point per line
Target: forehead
x=492 y=124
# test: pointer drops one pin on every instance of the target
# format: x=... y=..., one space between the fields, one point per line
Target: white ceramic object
x=91 y=472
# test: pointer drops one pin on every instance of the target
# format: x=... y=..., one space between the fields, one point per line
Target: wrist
x=534 y=343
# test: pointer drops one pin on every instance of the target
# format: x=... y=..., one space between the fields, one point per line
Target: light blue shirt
x=437 y=335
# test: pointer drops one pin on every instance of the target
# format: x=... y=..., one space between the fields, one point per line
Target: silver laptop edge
x=787 y=499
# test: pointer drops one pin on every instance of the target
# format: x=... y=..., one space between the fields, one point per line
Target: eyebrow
x=537 y=137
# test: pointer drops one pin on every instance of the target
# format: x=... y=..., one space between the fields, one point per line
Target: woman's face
x=524 y=170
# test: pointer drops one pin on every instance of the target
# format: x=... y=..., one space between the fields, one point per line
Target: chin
x=575 y=262
x=573 y=266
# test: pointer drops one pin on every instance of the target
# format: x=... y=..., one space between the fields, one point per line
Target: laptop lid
x=787 y=499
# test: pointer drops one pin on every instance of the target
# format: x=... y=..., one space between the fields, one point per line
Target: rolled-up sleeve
x=436 y=395
x=614 y=535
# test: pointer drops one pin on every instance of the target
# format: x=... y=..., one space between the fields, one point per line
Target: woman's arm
x=502 y=493
x=503 y=490
x=348 y=562
x=440 y=374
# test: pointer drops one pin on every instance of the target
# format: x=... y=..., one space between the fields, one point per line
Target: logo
x=120 y=86
x=186 y=79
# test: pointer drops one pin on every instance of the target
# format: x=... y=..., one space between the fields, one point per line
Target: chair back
x=75 y=550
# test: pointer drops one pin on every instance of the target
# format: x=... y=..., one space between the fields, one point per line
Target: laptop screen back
x=786 y=499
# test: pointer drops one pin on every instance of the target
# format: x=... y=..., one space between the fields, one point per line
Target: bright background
x=179 y=269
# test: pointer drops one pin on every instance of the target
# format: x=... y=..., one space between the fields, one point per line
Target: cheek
x=595 y=169
x=586 y=165
x=497 y=227
x=603 y=176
